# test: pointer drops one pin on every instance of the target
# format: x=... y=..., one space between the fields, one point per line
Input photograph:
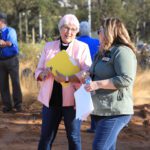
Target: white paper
x=84 y=104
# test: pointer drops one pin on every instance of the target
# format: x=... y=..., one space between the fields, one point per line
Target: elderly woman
x=113 y=72
x=58 y=101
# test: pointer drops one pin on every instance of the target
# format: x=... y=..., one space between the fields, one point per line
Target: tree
x=24 y=15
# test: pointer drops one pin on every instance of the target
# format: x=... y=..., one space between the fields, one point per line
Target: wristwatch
x=66 y=79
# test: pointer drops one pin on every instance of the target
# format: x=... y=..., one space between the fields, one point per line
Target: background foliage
x=135 y=14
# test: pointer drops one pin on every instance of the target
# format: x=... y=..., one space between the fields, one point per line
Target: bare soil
x=20 y=131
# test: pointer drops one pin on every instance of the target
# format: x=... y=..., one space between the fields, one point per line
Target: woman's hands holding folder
x=45 y=73
x=60 y=77
x=65 y=79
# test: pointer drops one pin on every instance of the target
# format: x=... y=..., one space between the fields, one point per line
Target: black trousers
x=10 y=67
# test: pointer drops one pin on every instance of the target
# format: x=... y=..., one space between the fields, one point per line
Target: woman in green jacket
x=113 y=72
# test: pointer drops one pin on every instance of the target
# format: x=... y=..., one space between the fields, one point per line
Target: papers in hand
x=84 y=104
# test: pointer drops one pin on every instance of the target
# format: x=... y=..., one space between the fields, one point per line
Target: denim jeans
x=51 y=118
x=93 y=123
x=107 y=130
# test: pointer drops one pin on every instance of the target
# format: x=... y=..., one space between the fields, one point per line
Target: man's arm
x=5 y=43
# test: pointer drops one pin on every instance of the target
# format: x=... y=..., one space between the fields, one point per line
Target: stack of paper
x=84 y=104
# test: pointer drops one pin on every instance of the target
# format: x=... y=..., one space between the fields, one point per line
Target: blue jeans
x=107 y=130
x=93 y=123
x=51 y=118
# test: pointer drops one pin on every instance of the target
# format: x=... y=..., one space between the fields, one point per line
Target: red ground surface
x=21 y=131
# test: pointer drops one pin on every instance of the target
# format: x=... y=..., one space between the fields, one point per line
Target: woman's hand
x=101 y=84
x=46 y=73
x=60 y=77
x=91 y=87
x=84 y=75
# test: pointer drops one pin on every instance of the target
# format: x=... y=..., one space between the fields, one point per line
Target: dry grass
x=29 y=86
x=142 y=87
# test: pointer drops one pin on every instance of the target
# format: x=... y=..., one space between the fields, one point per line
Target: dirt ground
x=20 y=131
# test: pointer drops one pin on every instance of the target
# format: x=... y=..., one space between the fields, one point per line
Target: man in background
x=84 y=36
x=93 y=43
x=9 y=66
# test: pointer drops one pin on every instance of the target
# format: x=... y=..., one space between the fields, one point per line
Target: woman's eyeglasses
x=66 y=29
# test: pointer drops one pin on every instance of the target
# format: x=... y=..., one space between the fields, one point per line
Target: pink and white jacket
x=77 y=50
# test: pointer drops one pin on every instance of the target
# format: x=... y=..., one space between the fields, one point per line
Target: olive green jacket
x=119 y=66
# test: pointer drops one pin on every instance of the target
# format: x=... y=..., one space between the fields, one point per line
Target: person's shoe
x=18 y=109
x=6 y=109
x=90 y=130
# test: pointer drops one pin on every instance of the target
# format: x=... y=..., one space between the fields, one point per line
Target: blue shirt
x=9 y=34
x=92 y=43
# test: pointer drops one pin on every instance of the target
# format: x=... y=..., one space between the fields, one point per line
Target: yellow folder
x=63 y=63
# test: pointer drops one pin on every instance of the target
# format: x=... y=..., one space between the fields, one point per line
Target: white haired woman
x=58 y=101
x=113 y=72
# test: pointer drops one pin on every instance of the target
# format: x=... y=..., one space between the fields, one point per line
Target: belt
x=6 y=58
